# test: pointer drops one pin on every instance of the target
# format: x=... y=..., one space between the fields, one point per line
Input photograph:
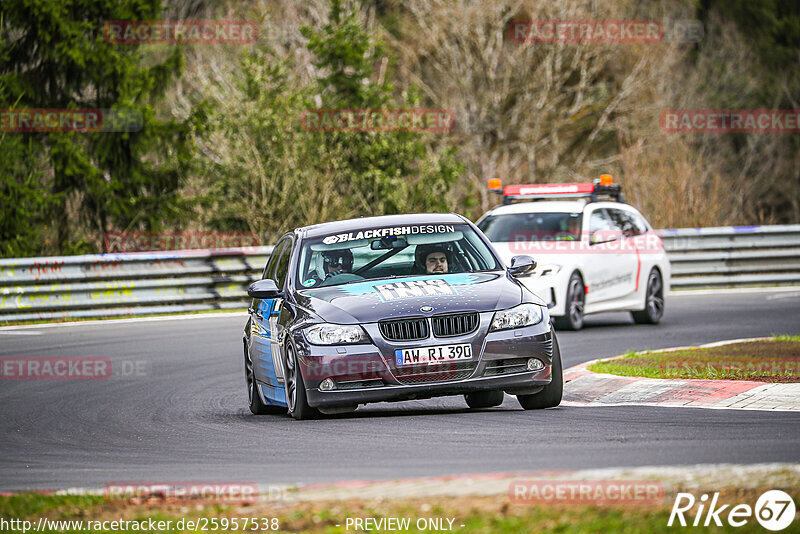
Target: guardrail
x=106 y=285
x=102 y=285
x=733 y=256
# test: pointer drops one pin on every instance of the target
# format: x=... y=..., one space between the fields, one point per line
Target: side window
x=641 y=224
x=602 y=228
x=282 y=267
x=599 y=220
x=273 y=259
x=625 y=222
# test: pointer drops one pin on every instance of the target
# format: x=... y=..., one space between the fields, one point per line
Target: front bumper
x=522 y=383
x=363 y=373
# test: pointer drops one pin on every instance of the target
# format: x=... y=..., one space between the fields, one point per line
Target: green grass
x=773 y=360
x=30 y=504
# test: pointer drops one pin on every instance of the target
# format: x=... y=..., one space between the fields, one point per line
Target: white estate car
x=594 y=253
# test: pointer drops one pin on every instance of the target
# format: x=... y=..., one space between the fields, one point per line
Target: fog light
x=328 y=384
x=535 y=364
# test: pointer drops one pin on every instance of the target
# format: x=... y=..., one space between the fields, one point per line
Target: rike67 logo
x=774 y=510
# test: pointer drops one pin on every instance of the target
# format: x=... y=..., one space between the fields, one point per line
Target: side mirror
x=263 y=289
x=521 y=266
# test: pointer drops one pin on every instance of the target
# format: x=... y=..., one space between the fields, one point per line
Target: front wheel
x=550 y=396
x=484 y=399
x=574 y=305
x=296 y=398
x=653 y=301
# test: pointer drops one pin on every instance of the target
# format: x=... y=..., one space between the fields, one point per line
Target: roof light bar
x=603 y=186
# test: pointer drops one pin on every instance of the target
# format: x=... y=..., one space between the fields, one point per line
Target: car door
x=648 y=245
x=265 y=334
x=612 y=261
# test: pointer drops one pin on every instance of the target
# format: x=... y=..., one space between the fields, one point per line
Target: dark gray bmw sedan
x=395 y=308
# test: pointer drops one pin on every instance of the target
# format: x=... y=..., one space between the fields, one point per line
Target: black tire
x=296 y=398
x=574 y=305
x=484 y=399
x=256 y=404
x=550 y=396
x=653 y=301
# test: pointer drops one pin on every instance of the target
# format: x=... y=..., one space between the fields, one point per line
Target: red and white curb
x=586 y=388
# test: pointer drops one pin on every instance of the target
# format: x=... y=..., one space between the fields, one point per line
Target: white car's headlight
x=522 y=315
x=334 y=334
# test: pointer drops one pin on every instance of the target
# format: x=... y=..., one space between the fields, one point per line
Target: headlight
x=522 y=315
x=334 y=334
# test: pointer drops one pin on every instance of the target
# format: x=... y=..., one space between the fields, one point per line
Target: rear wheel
x=550 y=396
x=653 y=301
x=574 y=305
x=484 y=399
x=296 y=389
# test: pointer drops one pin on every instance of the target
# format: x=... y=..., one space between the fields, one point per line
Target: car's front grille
x=404 y=329
x=454 y=325
x=421 y=374
x=505 y=367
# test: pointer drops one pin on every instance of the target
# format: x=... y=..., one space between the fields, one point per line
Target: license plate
x=433 y=355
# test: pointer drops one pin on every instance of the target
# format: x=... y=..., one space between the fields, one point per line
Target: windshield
x=390 y=252
x=532 y=227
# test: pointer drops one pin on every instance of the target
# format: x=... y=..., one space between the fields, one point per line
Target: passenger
x=433 y=259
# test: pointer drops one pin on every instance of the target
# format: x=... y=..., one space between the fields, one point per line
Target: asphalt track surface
x=183 y=416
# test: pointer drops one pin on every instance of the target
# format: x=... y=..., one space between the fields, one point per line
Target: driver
x=433 y=259
x=572 y=232
x=337 y=262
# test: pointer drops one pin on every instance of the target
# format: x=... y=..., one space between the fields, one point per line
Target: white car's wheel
x=574 y=305
x=653 y=301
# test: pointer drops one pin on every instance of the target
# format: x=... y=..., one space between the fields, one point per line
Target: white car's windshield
x=389 y=252
x=532 y=227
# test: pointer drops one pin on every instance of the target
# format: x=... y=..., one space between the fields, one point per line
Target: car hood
x=374 y=300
